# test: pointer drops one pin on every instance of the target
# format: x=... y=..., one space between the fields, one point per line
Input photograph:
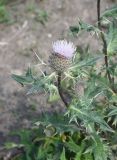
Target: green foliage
x=3 y=2
x=4 y=15
x=39 y=144
x=41 y=16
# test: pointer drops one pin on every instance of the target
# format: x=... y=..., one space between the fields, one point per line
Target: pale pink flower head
x=64 y=48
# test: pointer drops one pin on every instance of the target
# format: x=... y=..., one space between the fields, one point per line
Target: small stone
x=49 y=35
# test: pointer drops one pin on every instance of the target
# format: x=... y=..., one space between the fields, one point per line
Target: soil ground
x=26 y=33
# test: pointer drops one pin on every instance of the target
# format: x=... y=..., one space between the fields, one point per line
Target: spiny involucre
x=62 y=54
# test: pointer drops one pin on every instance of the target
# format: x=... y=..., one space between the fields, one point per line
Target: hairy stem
x=104 y=48
x=60 y=90
x=98 y=13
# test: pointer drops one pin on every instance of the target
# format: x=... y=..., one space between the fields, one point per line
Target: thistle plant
x=60 y=60
x=87 y=130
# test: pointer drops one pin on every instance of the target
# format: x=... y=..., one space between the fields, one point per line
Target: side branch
x=104 y=48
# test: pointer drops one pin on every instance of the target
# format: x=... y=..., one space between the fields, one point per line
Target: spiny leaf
x=85 y=63
x=59 y=122
x=74 y=30
x=83 y=26
x=112 y=39
x=111 y=12
x=42 y=83
x=22 y=79
x=29 y=72
x=72 y=146
x=62 y=157
x=78 y=149
x=113 y=112
x=99 y=151
x=87 y=116
x=88 y=156
x=41 y=153
x=37 y=86
x=53 y=93
x=26 y=79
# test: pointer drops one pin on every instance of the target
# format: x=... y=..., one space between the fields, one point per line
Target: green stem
x=98 y=13
x=60 y=91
